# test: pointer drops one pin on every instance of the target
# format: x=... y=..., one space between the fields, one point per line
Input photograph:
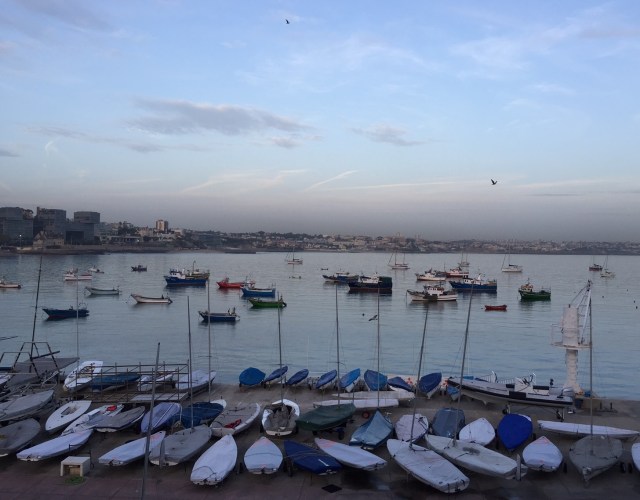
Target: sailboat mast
x=337 y=342
x=424 y=334
x=190 y=361
x=209 y=334
x=35 y=312
x=590 y=367
x=464 y=351
x=378 y=345
x=280 y=357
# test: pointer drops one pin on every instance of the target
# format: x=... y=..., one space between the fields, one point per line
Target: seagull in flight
x=287 y=21
x=493 y=183
x=373 y=318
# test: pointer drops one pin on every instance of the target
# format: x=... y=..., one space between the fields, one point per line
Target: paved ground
x=29 y=480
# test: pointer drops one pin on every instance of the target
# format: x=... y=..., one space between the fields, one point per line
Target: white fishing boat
x=263 y=457
x=131 y=451
x=81 y=377
x=66 y=414
x=216 y=463
x=60 y=445
x=234 y=419
x=427 y=466
x=25 y=406
x=92 y=290
x=411 y=427
x=14 y=437
x=181 y=446
x=576 y=430
x=592 y=454
x=478 y=431
x=141 y=299
x=352 y=456
x=542 y=455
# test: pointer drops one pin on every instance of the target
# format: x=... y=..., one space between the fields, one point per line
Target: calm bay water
x=512 y=343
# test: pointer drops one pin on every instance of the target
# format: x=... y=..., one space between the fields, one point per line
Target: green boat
x=324 y=418
x=527 y=292
x=260 y=303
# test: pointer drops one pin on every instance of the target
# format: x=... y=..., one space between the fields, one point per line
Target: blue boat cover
x=349 y=378
x=163 y=414
x=276 y=374
x=429 y=382
x=326 y=378
x=514 y=430
x=297 y=377
x=310 y=459
x=375 y=381
x=102 y=381
x=400 y=383
x=373 y=432
x=203 y=413
x=448 y=422
x=251 y=376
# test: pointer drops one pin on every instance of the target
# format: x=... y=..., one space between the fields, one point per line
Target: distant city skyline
x=354 y=118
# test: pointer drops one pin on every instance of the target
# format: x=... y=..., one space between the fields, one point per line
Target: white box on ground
x=75 y=466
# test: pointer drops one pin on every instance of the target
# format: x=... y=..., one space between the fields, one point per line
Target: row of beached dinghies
x=435 y=452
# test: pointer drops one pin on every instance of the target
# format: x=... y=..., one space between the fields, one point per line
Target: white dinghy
x=56 y=446
x=234 y=419
x=479 y=431
x=475 y=457
x=351 y=456
x=542 y=455
x=263 y=457
x=25 y=406
x=81 y=377
x=216 y=463
x=427 y=466
x=66 y=414
x=131 y=451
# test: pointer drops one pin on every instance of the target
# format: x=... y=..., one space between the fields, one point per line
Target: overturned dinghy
x=411 y=427
x=131 y=451
x=373 y=433
x=25 y=406
x=542 y=455
x=351 y=456
x=263 y=457
x=310 y=459
x=162 y=416
x=478 y=431
x=592 y=455
x=427 y=466
x=56 y=446
x=216 y=463
x=181 y=446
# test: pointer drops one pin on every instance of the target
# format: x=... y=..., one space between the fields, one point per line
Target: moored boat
x=495 y=307
x=220 y=317
x=477 y=284
x=186 y=277
x=141 y=299
x=251 y=291
x=259 y=303
x=431 y=275
x=4 y=284
x=80 y=312
x=528 y=293
x=377 y=284
x=226 y=283
x=91 y=290
x=139 y=268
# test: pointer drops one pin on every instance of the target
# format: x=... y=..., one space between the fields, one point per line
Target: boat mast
x=378 y=342
x=464 y=353
x=35 y=311
x=150 y=426
x=338 y=342
x=280 y=356
x=190 y=362
x=209 y=334
x=424 y=334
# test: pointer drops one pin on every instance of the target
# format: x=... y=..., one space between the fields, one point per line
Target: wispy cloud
x=388 y=134
x=74 y=13
x=140 y=147
x=242 y=182
x=185 y=117
x=332 y=179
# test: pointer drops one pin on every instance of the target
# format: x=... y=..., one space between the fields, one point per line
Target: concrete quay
x=39 y=480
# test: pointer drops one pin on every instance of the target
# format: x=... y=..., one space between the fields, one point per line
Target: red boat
x=225 y=283
x=502 y=307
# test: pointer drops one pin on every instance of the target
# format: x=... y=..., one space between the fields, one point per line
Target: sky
x=358 y=117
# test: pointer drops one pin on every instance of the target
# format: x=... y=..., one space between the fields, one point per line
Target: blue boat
x=430 y=383
x=251 y=376
x=258 y=292
x=478 y=284
x=400 y=383
x=326 y=379
x=276 y=374
x=310 y=459
x=373 y=432
x=53 y=314
x=375 y=381
x=514 y=430
x=104 y=381
x=347 y=381
x=185 y=277
x=297 y=377
x=202 y=413
x=448 y=422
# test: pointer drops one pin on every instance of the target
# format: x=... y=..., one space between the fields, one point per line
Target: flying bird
x=287 y=21
x=493 y=183
x=373 y=318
